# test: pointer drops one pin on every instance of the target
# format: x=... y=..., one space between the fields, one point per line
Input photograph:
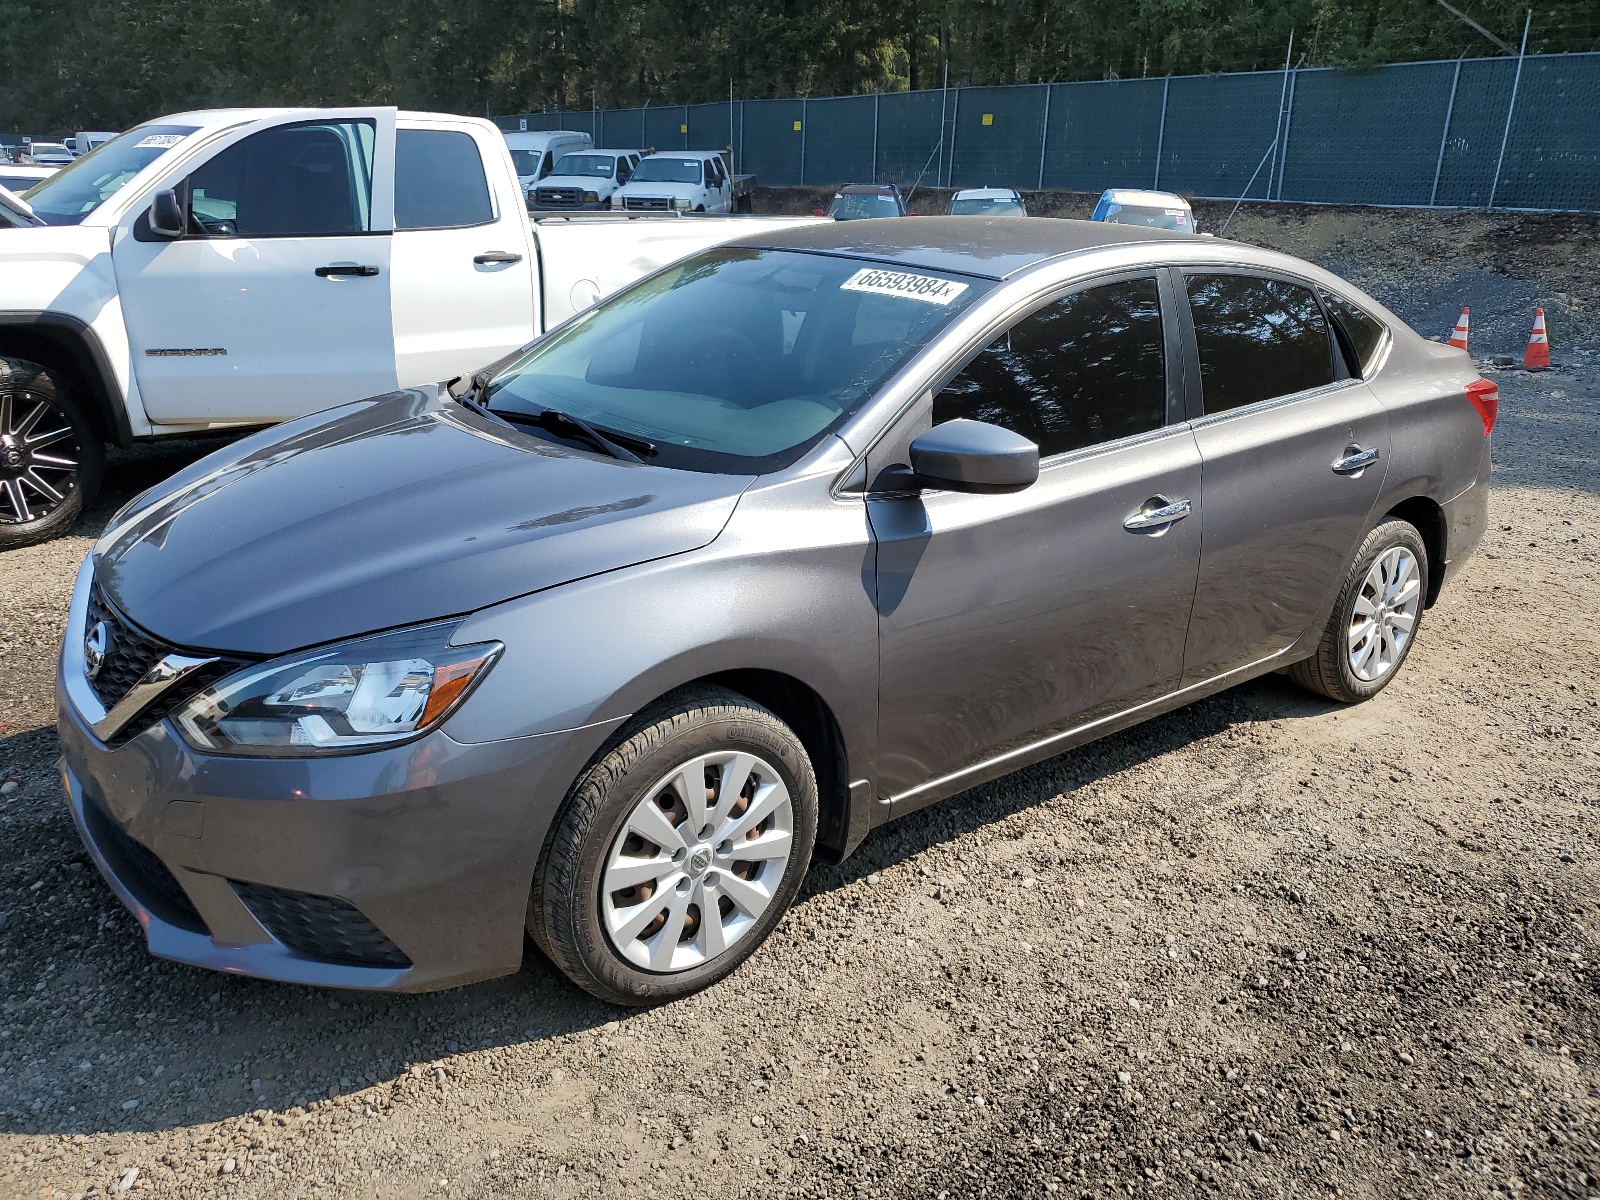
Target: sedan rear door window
x=1258 y=339
x=1363 y=333
x=1085 y=369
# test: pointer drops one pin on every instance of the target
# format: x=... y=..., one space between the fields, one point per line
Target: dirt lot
x=1263 y=946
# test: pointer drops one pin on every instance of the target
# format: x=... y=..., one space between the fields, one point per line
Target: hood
x=589 y=183
x=649 y=188
x=404 y=510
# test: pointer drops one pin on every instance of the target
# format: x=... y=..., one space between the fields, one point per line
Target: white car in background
x=987 y=202
x=1153 y=210
x=535 y=154
x=583 y=181
x=686 y=181
x=19 y=178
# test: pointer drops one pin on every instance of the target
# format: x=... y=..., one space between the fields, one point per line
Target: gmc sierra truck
x=235 y=268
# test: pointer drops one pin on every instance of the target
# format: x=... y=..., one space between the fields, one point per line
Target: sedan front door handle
x=1355 y=462
x=496 y=256
x=334 y=270
x=1157 y=513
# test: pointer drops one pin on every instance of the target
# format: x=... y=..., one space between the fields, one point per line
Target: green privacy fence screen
x=1475 y=132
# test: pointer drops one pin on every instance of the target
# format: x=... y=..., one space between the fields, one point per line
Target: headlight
x=370 y=692
x=679 y=202
x=591 y=197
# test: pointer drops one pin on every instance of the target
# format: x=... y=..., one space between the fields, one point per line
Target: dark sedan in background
x=781 y=543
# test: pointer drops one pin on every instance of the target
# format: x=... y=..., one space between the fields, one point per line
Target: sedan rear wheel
x=1375 y=620
x=677 y=851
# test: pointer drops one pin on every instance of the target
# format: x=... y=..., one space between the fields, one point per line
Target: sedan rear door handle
x=496 y=256
x=1355 y=462
x=1156 y=513
x=336 y=269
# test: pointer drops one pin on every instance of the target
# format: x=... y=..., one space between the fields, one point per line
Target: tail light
x=1485 y=397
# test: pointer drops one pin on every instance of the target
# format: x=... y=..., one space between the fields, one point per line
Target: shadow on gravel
x=98 y=1024
x=1272 y=698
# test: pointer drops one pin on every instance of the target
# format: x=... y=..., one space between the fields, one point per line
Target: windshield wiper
x=614 y=444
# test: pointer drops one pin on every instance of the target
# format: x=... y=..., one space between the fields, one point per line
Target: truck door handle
x=496 y=256
x=1157 y=513
x=336 y=269
x=1355 y=462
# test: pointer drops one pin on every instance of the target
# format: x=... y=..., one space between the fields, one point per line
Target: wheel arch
x=1427 y=517
x=67 y=347
x=801 y=707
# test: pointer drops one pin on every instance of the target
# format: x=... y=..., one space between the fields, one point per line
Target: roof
x=1141 y=196
x=868 y=189
x=987 y=194
x=990 y=247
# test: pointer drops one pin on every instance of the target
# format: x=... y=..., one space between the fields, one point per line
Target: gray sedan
x=788 y=540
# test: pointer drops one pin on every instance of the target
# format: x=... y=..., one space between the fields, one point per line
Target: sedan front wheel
x=677 y=852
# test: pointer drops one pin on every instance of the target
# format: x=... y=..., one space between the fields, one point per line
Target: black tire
x=35 y=404
x=564 y=917
x=1329 y=671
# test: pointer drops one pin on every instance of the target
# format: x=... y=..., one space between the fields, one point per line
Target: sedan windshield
x=600 y=166
x=74 y=192
x=987 y=206
x=737 y=360
x=667 y=170
x=1151 y=218
x=855 y=206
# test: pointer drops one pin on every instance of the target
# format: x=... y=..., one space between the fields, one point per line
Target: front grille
x=141 y=872
x=647 y=203
x=558 y=197
x=320 y=927
x=130 y=652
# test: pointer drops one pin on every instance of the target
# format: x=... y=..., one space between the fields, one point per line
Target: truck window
x=307 y=180
x=439 y=181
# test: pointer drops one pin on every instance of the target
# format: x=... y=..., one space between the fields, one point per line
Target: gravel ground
x=1263 y=946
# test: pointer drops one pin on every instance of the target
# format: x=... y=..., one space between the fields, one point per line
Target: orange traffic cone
x=1458 y=339
x=1537 y=357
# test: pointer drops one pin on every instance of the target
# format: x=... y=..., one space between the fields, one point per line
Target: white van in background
x=87 y=140
x=535 y=153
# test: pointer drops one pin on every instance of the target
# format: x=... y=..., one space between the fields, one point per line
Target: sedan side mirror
x=166 y=215
x=974 y=456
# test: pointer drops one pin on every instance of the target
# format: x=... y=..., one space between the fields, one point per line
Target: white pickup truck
x=238 y=268
x=696 y=181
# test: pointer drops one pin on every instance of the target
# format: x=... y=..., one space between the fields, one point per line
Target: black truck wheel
x=50 y=457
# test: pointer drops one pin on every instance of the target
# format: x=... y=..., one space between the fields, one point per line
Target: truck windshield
x=75 y=191
x=600 y=166
x=526 y=162
x=737 y=360
x=667 y=170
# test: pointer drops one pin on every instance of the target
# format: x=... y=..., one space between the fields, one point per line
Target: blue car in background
x=1153 y=210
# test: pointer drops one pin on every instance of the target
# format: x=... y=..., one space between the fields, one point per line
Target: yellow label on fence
x=797 y=126
x=988 y=118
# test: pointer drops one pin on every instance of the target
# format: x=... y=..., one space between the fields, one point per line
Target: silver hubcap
x=1385 y=614
x=697 y=861
x=38 y=458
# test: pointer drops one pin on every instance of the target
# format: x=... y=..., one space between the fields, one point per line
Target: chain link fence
x=1516 y=132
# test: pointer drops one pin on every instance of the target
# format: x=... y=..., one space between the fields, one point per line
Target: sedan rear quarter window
x=1363 y=333
x=1085 y=369
x=1258 y=339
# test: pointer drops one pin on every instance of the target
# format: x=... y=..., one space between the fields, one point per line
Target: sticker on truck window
x=927 y=288
x=158 y=141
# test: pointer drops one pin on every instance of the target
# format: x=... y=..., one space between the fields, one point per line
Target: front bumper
x=405 y=869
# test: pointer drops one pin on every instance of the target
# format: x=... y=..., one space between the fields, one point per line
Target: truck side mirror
x=166 y=215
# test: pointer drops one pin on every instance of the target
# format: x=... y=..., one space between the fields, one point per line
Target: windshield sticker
x=927 y=288
x=158 y=141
